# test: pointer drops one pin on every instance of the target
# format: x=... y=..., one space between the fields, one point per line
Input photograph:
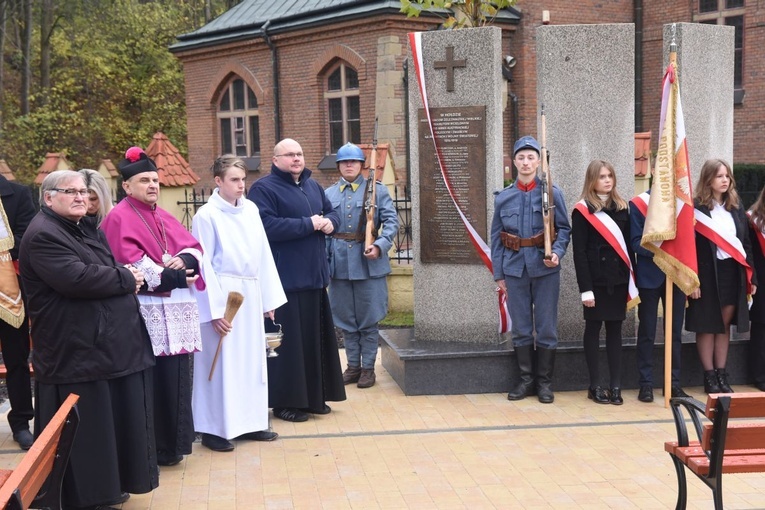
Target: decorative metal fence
x=403 y=241
x=191 y=204
x=195 y=199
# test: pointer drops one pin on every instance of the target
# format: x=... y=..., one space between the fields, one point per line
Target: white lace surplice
x=173 y=322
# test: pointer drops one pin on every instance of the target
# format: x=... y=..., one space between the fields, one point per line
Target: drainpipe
x=406 y=127
x=275 y=79
x=638 y=14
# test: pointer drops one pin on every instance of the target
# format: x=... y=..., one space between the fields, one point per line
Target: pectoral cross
x=449 y=64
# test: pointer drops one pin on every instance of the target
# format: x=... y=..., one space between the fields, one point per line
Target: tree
x=458 y=13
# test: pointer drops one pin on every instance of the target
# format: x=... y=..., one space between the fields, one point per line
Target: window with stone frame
x=731 y=13
x=341 y=91
x=238 y=120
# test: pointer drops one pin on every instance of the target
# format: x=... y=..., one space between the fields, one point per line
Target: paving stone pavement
x=381 y=449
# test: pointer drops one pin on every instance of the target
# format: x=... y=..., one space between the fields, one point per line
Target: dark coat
x=599 y=268
x=704 y=315
x=286 y=208
x=757 y=312
x=86 y=323
x=19 y=208
x=595 y=261
x=647 y=273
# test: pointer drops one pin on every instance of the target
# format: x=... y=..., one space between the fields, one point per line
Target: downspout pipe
x=275 y=80
x=638 y=14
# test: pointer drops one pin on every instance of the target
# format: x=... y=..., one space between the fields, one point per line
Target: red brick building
x=319 y=71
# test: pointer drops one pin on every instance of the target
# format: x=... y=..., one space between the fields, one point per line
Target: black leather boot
x=524 y=356
x=545 y=366
x=722 y=378
x=711 y=383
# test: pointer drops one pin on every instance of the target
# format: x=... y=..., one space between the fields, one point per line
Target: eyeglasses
x=71 y=192
x=291 y=155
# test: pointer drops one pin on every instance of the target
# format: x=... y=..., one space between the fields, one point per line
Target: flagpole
x=668 y=287
x=668 y=317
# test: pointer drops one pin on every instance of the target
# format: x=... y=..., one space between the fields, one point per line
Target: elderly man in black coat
x=90 y=340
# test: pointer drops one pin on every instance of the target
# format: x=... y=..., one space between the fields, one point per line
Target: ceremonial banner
x=668 y=231
x=483 y=250
x=11 y=305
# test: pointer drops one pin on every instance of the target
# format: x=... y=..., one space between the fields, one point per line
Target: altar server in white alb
x=237 y=258
x=359 y=290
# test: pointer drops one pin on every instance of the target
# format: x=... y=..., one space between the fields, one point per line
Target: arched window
x=343 y=112
x=238 y=119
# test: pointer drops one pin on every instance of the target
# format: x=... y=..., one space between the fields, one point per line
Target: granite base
x=451 y=368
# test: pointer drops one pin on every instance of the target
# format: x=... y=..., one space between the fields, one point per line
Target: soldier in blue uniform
x=358 y=290
x=532 y=282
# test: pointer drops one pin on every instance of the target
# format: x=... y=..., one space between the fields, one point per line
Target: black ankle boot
x=524 y=356
x=722 y=378
x=711 y=383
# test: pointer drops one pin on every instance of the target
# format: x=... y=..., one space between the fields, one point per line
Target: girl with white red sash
x=602 y=259
x=757 y=311
x=724 y=258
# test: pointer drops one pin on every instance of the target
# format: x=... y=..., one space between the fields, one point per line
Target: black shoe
x=677 y=392
x=261 y=435
x=290 y=414
x=645 y=394
x=166 y=459
x=616 y=396
x=722 y=378
x=324 y=410
x=216 y=443
x=711 y=384
x=760 y=386
x=598 y=395
x=24 y=438
x=524 y=357
x=121 y=499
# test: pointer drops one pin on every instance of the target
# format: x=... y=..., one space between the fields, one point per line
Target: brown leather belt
x=515 y=243
x=349 y=237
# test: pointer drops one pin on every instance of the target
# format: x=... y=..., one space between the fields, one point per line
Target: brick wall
x=305 y=55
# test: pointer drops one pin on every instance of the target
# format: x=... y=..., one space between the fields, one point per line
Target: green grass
x=398 y=320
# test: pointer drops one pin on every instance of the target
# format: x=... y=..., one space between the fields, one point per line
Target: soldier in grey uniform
x=531 y=281
x=358 y=291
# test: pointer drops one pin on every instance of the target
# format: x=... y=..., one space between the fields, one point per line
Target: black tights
x=613 y=351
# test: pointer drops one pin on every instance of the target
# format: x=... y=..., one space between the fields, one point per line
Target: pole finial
x=673 y=38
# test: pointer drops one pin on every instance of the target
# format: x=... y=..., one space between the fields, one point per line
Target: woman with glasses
x=89 y=340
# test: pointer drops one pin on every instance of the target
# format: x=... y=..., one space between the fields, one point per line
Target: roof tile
x=173 y=169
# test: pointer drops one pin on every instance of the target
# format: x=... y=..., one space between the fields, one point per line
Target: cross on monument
x=449 y=64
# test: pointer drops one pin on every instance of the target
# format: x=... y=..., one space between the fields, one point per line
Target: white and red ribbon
x=760 y=234
x=610 y=231
x=706 y=226
x=415 y=42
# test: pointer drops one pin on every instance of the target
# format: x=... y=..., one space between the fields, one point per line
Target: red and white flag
x=415 y=42
x=668 y=230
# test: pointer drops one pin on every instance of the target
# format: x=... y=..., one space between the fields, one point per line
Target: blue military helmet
x=350 y=152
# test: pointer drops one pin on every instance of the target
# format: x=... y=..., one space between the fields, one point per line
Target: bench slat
x=30 y=475
x=738 y=436
x=742 y=405
x=731 y=464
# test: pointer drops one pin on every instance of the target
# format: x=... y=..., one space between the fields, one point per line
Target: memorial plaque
x=460 y=132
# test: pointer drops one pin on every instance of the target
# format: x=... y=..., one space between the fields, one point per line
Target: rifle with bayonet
x=370 y=203
x=548 y=203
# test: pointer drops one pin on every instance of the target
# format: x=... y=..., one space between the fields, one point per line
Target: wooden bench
x=721 y=447
x=36 y=481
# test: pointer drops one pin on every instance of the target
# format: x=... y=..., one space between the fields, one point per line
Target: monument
x=585 y=78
